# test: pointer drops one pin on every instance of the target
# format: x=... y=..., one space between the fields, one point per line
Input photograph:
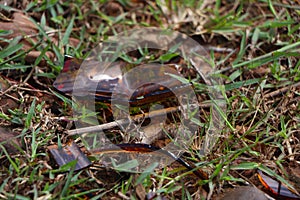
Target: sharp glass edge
x=71 y=152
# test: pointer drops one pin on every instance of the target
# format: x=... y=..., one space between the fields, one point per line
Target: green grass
x=261 y=127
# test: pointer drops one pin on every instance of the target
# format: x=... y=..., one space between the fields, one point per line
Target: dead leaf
x=242 y=193
x=9 y=140
x=113 y=8
x=140 y=191
x=7 y=102
x=21 y=26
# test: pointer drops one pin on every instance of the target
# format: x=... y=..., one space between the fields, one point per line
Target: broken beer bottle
x=137 y=86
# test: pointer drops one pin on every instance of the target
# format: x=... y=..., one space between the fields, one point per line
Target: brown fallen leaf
x=9 y=140
x=21 y=26
x=7 y=102
x=140 y=191
x=242 y=193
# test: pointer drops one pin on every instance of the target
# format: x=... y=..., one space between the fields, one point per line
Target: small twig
x=101 y=127
x=267 y=55
x=12 y=87
x=117 y=123
x=34 y=89
x=282 y=90
x=29 y=75
x=220 y=49
x=12 y=97
x=49 y=33
x=110 y=125
x=3 y=17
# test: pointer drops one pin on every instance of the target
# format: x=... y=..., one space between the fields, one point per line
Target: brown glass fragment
x=69 y=153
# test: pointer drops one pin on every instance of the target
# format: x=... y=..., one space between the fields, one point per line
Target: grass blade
x=65 y=39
